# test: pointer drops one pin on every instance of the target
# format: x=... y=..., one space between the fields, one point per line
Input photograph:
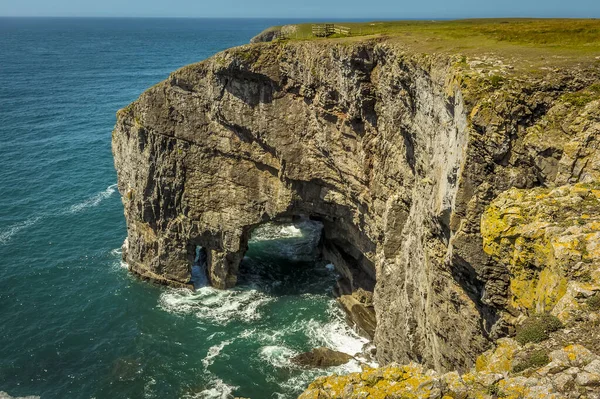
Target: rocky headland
x=459 y=194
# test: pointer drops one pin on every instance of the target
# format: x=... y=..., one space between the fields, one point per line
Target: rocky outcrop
x=272 y=33
x=397 y=153
x=570 y=372
x=266 y=35
x=550 y=241
x=322 y=357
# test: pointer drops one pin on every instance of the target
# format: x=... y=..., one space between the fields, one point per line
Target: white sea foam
x=278 y=355
x=217 y=306
x=336 y=333
x=213 y=352
x=94 y=200
x=247 y=333
x=290 y=231
x=8 y=233
x=216 y=389
x=295 y=384
x=275 y=231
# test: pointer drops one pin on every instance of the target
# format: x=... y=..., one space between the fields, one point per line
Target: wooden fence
x=324 y=30
x=342 y=30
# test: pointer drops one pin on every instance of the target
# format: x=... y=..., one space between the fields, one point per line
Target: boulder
x=322 y=357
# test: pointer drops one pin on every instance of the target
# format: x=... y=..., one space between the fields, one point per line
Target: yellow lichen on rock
x=408 y=381
x=548 y=239
x=572 y=369
x=498 y=360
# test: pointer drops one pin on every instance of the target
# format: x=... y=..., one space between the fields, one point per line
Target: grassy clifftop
x=548 y=41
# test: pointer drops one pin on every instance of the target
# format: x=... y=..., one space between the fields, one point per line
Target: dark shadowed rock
x=322 y=357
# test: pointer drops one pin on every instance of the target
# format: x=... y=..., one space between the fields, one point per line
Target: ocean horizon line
x=305 y=19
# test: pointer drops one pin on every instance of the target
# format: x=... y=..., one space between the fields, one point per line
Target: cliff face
x=398 y=154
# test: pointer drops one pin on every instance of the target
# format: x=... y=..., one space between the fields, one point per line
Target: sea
x=74 y=323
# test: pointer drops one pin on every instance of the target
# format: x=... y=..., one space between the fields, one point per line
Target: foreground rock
x=572 y=372
x=322 y=357
x=397 y=152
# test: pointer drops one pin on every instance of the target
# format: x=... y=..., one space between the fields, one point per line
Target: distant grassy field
x=529 y=38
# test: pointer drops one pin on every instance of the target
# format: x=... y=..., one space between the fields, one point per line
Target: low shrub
x=535 y=359
x=537 y=328
x=594 y=303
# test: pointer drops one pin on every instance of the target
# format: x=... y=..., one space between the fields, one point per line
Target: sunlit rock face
x=397 y=154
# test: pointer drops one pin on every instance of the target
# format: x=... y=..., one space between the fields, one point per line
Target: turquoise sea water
x=73 y=322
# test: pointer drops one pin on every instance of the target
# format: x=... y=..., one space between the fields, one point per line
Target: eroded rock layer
x=398 y=155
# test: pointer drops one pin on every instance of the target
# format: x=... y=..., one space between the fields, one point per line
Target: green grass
x=537 y=328
x=583 y=97
x=576 y=33
x=535 y=42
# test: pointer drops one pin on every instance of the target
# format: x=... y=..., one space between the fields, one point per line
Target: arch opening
x=284 y=258
x=293 y=255
x=307 y=255
x=199 y=277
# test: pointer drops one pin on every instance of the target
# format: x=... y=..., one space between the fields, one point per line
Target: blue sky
x=376 y=9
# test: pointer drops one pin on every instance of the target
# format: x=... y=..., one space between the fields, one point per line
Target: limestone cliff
x=398 y=153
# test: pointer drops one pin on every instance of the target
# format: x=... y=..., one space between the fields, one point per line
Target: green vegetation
x=583 y=97
x=495 y=391
x=537 y=328
x=496 y=81
x=561 y=33
x=594 y=303
x=534 y=43
x=535 y=359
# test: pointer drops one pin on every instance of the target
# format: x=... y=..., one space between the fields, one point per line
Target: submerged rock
x=322 y=357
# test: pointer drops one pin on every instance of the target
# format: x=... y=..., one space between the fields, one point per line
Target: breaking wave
x=217 y=306
x=213 y=352
x=274 y=231
x=216 y=389
x=278 y=356
x=335 y=334
x=280 y=317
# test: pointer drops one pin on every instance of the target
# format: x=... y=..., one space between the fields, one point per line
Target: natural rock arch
x=375 y=142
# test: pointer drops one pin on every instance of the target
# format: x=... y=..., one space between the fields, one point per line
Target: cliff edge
x=433 y=174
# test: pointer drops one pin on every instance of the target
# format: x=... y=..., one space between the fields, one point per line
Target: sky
x=333 y=9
